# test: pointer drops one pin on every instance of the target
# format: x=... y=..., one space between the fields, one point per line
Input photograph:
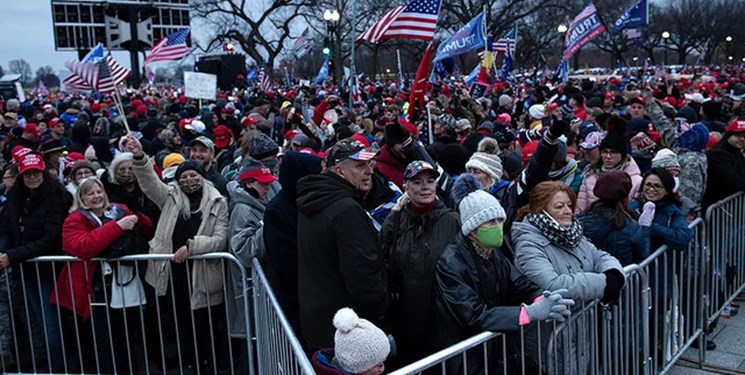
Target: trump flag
x=585 y=27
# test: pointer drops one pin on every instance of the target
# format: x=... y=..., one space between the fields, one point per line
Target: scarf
x=566 y=237
x=566 y=174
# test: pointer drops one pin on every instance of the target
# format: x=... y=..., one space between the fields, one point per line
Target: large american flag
x=302 y=44
x=87 y=75
x=264 y=81
x=171 y=48
x=416 y=19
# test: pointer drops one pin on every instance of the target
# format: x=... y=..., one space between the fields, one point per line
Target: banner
x=585 y=27
x=200 y=85
x=636 y=16
x=470 y=37
x=323 y=73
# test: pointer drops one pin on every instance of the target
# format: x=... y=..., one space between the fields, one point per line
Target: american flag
x=354 y=89
x=508 y=42
x=171 y=48
x=416 y=19
x=302 y=44
x=264 y=82
x=102 y=75
x=40 y=90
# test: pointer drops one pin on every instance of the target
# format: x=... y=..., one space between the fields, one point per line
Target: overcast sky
x=27 y=34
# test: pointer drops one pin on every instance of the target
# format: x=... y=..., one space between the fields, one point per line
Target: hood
x=316 y=192
x=296 y=165
x=240 y=196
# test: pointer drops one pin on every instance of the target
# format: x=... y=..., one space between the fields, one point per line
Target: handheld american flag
x=302 y=44
x=171 y=48
x=101 y=75
x=414 y=20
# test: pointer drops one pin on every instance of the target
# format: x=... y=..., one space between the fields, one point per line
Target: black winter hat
x=615 y=141
x=187 y=165
x=453 y=158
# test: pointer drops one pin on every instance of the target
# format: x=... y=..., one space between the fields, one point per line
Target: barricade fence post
x=60 y=314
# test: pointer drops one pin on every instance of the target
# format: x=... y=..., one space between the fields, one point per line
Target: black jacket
x=726 y=172
x=280 y=232
x=474 y=295
x=413 y=242
x=31 y=226
x=339 y=261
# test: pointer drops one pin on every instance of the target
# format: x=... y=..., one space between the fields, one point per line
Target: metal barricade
x=101 y=316
x=278 y=349
x=726 y=238
x=677 y=294
x=455 y=358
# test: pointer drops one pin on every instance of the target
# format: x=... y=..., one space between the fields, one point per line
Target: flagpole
x=400 y=73
x=352 y=67
x=117 y=98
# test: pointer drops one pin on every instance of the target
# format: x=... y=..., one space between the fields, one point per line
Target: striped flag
x=171 y=48
x=507 y=43
x=354 y=89
x=40 y=90
x=416 y=19
x=584 y=27
x=302 y=44
x=102 y=75
x=264 y=81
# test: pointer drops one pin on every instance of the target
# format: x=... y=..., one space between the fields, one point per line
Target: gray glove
x=551 y=307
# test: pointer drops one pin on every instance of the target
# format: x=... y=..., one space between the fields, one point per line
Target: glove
x=613 y=285
x=557 y=129
x=645 y=219
x=551 y=307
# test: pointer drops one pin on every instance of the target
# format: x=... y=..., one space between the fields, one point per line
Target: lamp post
x=728 y=39
x=332 y=20
x=562 y=29
x=665 y=37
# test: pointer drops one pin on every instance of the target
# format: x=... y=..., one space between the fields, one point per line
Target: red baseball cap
x=263 y=175
x=737 y=126
x=29 y=162
x=248 y=121
x=18 y=152
x=53 y=122
x=33 y=129
x=223 y=134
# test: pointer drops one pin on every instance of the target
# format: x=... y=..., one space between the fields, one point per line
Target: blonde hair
x=83 y=187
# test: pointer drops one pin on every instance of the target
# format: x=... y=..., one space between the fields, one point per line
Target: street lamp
x=665 y=37
x=562 y=28
x=728 y=38
x=331 y=51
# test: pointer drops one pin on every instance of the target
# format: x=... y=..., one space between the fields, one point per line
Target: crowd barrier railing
x=278 y=349
x=726 y=242
x=59 y=314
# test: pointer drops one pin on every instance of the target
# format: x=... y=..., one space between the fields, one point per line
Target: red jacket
x=80 y=238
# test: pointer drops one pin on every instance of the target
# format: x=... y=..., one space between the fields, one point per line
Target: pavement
x=728 y=358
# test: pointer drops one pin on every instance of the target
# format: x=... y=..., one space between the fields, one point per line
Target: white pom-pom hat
x=358 y=344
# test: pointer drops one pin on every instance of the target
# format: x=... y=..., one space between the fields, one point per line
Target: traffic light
x=327 y=50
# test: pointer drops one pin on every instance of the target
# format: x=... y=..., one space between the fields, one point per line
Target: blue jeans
x=46 y=315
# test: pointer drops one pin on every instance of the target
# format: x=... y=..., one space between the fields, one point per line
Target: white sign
x=200 y=85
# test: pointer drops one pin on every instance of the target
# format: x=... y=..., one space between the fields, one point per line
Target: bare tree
x=22 y=67
x=261 y=28
x=47 y=75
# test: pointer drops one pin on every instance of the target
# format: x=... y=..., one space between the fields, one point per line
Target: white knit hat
x=537 y=111
x=476 y=205
x=487 y=163
x=358 y=344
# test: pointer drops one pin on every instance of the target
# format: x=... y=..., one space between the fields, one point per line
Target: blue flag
x=323 y=73
x=473 y=75
x=584 y=27
x=250 y=76
x=470 y=37
x=635 y=16
x=506 y=67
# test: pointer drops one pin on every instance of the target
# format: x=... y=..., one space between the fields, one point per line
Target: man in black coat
x=340 y=263
x=280 y=232
x=726 y=165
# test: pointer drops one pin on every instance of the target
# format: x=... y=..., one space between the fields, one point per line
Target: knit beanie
x=695 y=138
x=641 y=142
x=476 y=206
x=80 y=164
x=504 y=100
x=188 y=165
x=486 y=159
x=613 y=186
x=261 y=146
x=172 y=159
x=358 y=344
x=667 y=159
x=614 y=141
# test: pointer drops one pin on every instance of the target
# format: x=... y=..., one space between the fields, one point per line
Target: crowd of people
x=388 y=229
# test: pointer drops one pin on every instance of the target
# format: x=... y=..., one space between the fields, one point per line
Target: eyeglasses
x=9 y=178
x=655 y=187
x=609 y=152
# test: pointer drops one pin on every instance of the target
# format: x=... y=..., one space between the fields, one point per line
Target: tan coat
x=207 y=287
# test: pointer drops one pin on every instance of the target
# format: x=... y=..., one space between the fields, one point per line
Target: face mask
x=490 y=236
x=190 y=186
x=126 y=177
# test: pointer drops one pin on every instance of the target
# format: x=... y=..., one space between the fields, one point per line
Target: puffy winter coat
x=206 y=276
x=669 y=226
x=340 y=263
x=629 y=244
x=475 y=295
x=86 y=239
x=551 y=267
x=413 y=242
x=586 y=197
